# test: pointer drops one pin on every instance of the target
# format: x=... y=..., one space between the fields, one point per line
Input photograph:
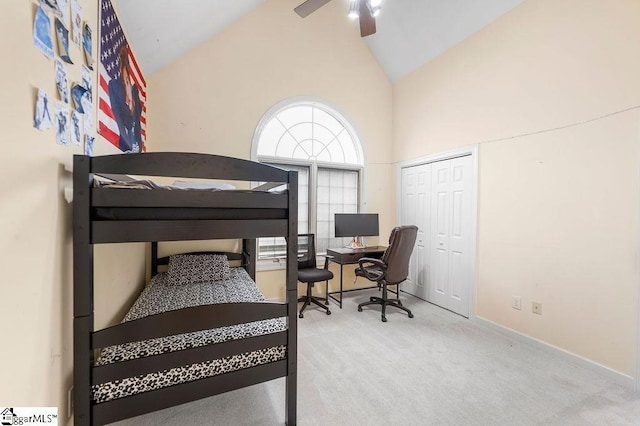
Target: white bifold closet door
x=415 y=206
x=437 y=198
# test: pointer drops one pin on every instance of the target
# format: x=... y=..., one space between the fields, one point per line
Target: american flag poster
x=122 y=89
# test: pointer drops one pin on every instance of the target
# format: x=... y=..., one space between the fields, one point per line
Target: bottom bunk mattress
x=161 y=296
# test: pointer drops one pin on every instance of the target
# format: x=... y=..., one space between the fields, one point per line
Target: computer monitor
x=356 y=225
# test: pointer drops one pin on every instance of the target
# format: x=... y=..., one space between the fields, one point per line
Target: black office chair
x=309 y=273
x=391 y=269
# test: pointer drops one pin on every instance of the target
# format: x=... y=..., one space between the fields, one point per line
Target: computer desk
x=348 y=256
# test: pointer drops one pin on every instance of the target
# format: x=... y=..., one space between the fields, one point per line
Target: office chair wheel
x=300 y=316
x=384 y=319
x=328 y=312
x=410 y=315
x=359 y=308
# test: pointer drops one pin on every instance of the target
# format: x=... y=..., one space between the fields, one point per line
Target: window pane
x=326 y=120
x=294 y=115
x=286 y=144
x=276 y=247
x=351 y=181
x=301 y=131
x=335 y=194
x=269 y=137
x=336 y=151
x=334 y=198
x=349 y=147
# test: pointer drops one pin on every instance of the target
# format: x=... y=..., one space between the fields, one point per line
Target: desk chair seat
x=308 y=273
x=391 y=269
x=314 y=275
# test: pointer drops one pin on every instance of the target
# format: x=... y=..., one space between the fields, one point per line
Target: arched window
x=318 y=142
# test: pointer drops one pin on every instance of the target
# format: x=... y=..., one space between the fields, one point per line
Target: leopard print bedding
x=161 y=296
x=197 y=268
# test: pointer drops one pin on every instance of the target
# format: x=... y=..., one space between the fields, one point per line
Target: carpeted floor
x=435 y=369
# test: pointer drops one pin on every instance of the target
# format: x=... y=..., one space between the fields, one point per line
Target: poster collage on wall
x=70 y=110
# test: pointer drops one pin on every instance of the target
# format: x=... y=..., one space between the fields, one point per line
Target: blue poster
x=86 y=43
x=63 y=41
x=42 y=33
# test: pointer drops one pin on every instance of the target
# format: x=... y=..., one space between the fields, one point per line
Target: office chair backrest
x=306 y=251
x=397 y=255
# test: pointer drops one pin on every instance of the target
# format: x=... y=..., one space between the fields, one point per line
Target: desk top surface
x=346 y=250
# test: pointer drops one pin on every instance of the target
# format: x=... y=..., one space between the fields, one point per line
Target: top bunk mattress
x=148 y=200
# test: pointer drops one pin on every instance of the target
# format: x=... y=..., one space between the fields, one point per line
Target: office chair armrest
x=367 y=264
x=326 y=260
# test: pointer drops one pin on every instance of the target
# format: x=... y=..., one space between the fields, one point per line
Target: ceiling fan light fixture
x=353 y=10
x=374 y=6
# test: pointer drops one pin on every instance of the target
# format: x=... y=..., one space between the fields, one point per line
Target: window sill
x=270 y=265
x=281 y=264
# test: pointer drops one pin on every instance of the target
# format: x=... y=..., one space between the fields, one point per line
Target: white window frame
x=313 y=166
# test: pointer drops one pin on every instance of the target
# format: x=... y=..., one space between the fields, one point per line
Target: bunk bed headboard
x=187 y=165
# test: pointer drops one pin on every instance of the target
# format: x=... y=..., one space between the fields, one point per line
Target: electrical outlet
x=516 y=302
x=536 y=308
x=70 y=402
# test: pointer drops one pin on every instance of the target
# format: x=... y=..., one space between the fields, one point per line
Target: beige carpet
x=435 y=369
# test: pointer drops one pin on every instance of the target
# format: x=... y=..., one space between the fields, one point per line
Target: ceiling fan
x=366 y=10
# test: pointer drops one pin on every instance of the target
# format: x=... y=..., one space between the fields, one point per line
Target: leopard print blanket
x=161 y=296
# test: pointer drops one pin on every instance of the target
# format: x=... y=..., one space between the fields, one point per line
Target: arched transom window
x=309 y=132
x=318 y=142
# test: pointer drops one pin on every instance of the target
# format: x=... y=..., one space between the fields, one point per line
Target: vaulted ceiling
x=409 y=32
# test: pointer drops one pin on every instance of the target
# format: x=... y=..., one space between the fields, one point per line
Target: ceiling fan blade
x=367 y=21
x=310 y=6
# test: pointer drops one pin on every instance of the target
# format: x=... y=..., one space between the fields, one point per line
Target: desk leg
x=341 y=286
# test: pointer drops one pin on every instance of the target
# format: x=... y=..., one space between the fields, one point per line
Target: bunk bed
x=223 y=330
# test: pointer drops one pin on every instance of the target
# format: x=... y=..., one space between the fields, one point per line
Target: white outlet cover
x=516 y=303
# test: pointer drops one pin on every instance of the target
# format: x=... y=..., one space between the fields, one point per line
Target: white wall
x=558 y=193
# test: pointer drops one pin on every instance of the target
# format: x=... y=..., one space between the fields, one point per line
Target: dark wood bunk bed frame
x=229 y=214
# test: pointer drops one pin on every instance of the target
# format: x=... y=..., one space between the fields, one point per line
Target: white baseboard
x=606 y=372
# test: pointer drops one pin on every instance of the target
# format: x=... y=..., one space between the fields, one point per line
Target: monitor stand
x=356 y=243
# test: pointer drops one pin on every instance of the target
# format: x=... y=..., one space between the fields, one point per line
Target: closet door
x=460 y=236
x=450 y=231
x=415 y=199
x=440 y=217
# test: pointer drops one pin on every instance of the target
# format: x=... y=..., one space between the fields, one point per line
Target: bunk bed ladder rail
x=82 y=290
x=292 y=302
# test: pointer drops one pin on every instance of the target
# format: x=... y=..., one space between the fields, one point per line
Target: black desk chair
x=309 y=273
x=391 y=269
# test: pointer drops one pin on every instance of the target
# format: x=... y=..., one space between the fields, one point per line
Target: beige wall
x=558 y=210
x=558 y=218
x=212 y=99
x=36 y=226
